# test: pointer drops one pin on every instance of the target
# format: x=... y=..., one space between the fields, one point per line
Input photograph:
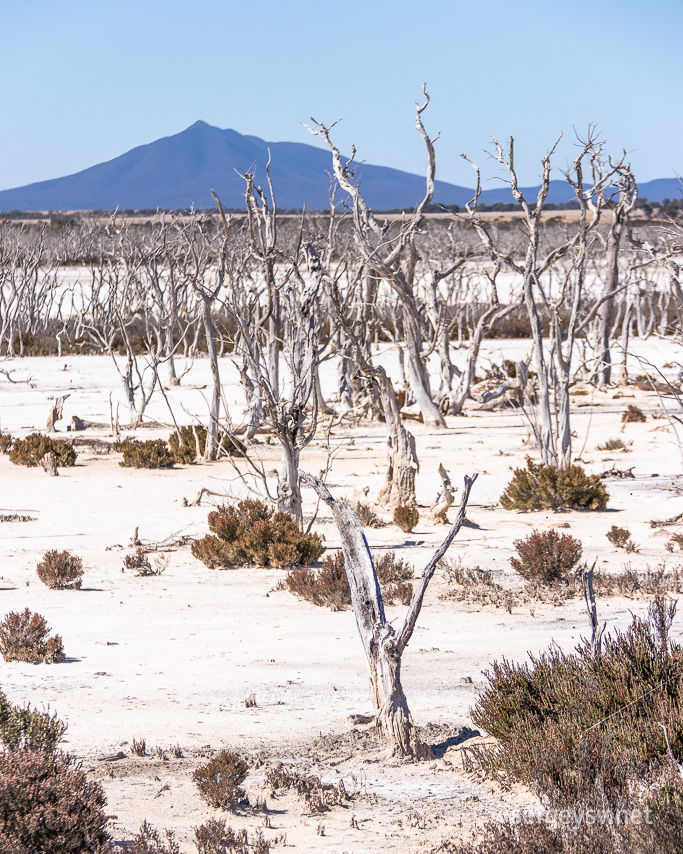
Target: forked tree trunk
x=383 y=644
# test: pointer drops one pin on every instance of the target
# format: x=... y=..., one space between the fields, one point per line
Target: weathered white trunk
x=383 y=644
x=402 y=464
x=211 y=449
x=288 y=490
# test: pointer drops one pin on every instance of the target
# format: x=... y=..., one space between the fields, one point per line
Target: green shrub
x=61 y=570
x=252 y=534
x=219 y=781
x=25 y=728
x=185 y=450
x=25 y=636
x=540 y=487
x=546 y=557
x=152 y=454
x=31 y=450
x=406 y=518
x=48 y=805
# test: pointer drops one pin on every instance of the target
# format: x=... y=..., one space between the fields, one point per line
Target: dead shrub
x=612 y=445
x=151 y=454
x=148 y=840
x=31 y=450
x=25 y=636
x=540 y=487
x=61 y=570
x=140 y=563
x=329 y=586
x=406 y=518
x=252 y=534
x=219 y=781
x=193 y=440
x=317 y=796
x=633 y=415
x=367 y=516
x=139 y=747
x=47 y=804
x=546 y=557
x=25 y=728
x=217 y=837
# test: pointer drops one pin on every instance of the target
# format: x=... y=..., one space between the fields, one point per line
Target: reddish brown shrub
x=61 y=570
x=546 y=557
x=47 y=804
x=25 y=636
x=633 y=414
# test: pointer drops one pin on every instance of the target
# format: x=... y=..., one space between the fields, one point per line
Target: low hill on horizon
x=178 y=171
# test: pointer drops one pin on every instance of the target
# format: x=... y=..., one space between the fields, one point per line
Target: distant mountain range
x=178 y=171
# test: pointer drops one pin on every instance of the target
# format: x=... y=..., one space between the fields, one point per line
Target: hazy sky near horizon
x=83 y=81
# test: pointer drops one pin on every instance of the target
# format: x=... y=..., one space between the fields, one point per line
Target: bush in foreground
x=546 y=557
x=219 y=781
x=540 y=487
x=252 y=534
x=25 y=636
x=61 y=570
x=31 y=450
x=152 y=454
x=48 y=805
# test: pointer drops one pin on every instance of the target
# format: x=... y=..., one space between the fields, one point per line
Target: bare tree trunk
x=211 y=449
x=383 y=644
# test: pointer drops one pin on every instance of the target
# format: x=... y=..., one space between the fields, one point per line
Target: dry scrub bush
x=406 y=518
x=31 y=450
x=219 y=781
x=25 y=728
x=612 y=445
x=546 y=557
x=152 y=454
x=25 y=636
x=217 y=837
x=633 y=415
x=252 y=534
x=139 y=561
x=329 y=586
x=194 y=438
x=621 y=539
x=584 y=729
x=540 y=487
x=148 y=840
x=317 y=796
x=367 y=516
x=5 y=442
x=47 y=804
x=138 y=747
x=61 y=570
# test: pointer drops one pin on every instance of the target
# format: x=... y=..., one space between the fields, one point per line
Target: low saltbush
x=406 y=518
x=329 y=587
x=217 y=837
x=633 y=415
x=184 y=450
x=148 y=840
x=151 y=454
x=219 y=781
x=47 y=804
x=25 y=636
x=252 y=534
x=31 y=450
x=540 y=487
x=546 y=557
x=61 y=570
x=621 y=539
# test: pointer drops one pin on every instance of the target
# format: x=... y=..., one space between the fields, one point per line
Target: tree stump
x=56 y=412
x=49 y=464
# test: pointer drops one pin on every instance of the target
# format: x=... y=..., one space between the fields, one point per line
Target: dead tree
x=384 y=645
x=392 y=257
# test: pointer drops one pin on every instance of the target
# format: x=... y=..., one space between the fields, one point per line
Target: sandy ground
x=171 y=659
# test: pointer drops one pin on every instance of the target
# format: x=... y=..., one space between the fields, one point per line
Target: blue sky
x=85 y=80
